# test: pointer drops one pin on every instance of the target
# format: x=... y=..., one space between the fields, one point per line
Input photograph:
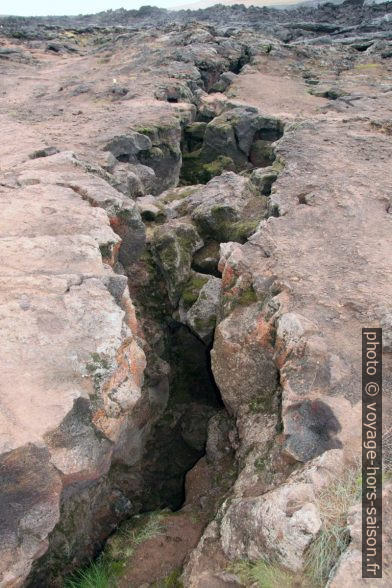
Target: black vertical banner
x=371 y=453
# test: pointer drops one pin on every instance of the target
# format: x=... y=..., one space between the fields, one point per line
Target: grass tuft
x=104 y=571
x=334 y=502
x=122 y=545
x=100 y=574
x=264 y=574
x=172 y=580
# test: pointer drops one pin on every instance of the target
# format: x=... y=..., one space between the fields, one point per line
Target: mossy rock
x=196 y=171
x=191 y=291
x=219 y=165
x=261 y=405
x=202 y=315
x=191 y=167
x=196 y=129
x=223 y=225
x=173 y=245
x=247 y=297
x=220 y=140
x=242 y=230
x=177 y=194
x=263 y=178
x=219 y=223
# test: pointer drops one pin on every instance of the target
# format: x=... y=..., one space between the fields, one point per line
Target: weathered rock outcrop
x=298 y=320
x=73 y=358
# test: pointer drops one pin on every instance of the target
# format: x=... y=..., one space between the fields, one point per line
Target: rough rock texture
x=228 y=208
x=73 y=361
x=235 y=131
x=348 y=569
x=202 y=315
x=274 y=249
x=173 y=246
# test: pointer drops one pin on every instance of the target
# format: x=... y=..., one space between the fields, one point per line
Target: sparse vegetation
x=192 y=290
x=172 y=580
x=264 y=574
x=104 y=572
x=140 y=529
x=367 y=66
x=99 y=574
x=261 y=404
x=178 y=194
x=334 y=502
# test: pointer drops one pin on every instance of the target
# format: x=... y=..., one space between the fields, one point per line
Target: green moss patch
x=191 y=292
x=178 y=194
x=196 y=171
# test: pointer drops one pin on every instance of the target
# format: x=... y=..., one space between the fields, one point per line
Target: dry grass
x=142 y=528
x=334 y=502
x=265 y=574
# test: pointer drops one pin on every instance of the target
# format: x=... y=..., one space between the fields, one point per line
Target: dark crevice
x=178 y=438
x=177 y=404
x=211 y=77
x=236 y=66
x=201 y=270
x=203 y=117
x=123 y=158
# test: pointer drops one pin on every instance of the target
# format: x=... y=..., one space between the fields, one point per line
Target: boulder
x=234 y=132
x=44 y=152
x=106 y=160
x=280 y=524
x=127 y=182
x=65 y=312
x=164 y=154
x=150 y=209
x=173 y=245
x=126 y=147
x=228 y=208
x=310 y=428
x=211 y=105
x=220 y=429
x=263 y=178
x=225 y=80
x=145 y=174
x=195 y=171
x=243 y=365
x=202 y=315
